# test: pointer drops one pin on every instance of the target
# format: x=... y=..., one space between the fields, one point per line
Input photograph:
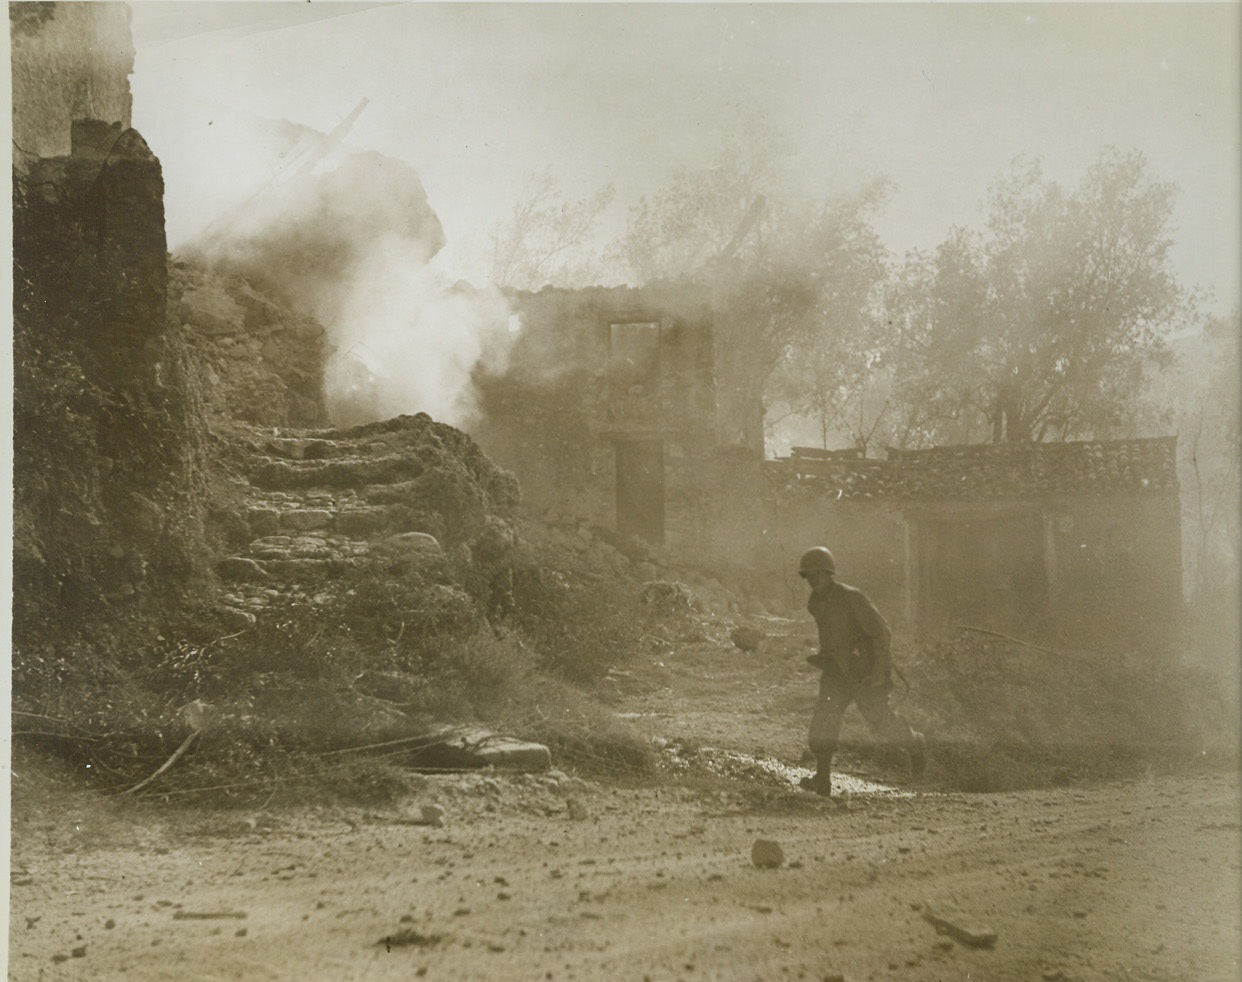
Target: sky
x=937 y=98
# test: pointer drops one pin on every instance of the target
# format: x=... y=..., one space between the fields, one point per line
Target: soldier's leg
x=888 y=726
x=834 y=699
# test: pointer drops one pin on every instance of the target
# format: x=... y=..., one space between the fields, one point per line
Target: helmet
x=818 y=559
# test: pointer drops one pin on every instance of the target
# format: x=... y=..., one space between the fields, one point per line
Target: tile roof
x=1006 y=470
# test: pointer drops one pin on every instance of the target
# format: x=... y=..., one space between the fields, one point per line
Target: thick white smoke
x=354 y=248
x=407 y=339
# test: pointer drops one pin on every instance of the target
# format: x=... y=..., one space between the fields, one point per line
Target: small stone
x=433 y=815
x=767 y=854
x=577 y=810
x=747 y=638
x=234 y=619
x=79 y=952
x=239 y=569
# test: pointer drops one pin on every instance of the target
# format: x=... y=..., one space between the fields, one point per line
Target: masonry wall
x=569 y=403
x=70 y=61
x=1095 y=572
x=108 y=439
x=1118 y=567
x=868 y=540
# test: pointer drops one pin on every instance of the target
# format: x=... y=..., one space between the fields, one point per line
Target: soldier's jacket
x=852 y=633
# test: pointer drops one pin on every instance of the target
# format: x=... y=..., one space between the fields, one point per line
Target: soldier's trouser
x=836 y=692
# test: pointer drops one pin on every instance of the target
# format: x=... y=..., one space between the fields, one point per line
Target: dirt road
x=1128 y=881
x=550 y=877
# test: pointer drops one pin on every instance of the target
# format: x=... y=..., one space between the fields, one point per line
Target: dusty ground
x=1131 y=880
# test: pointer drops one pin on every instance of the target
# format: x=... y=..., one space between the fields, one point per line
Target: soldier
x=854 y=656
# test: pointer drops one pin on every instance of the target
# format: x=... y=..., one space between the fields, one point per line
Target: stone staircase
x=319 y=504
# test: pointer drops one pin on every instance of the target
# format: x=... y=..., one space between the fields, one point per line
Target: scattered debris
x=667 y=596
x=476 y=748
x=407 y=938
x=767 y=854
x=975 y=936
x=747 y=638
x=433 y=815
x=195 y=715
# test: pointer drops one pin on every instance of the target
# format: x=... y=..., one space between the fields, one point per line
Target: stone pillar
x=128 y=200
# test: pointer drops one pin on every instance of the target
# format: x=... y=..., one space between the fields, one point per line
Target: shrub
x=580 y=626
x=1003 y=716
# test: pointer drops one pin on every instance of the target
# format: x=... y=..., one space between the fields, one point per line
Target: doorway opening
x=640 y=489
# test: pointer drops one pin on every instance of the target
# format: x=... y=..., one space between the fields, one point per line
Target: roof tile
x=1142 y=466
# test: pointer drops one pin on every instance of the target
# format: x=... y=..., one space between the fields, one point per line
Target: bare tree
x=547 y=239
x=793 y=286
x=1203 y=388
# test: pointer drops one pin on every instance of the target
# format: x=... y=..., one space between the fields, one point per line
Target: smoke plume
x=354 y=248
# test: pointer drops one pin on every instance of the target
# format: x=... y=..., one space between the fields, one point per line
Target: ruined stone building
x=1066 y=540
x=609 y=411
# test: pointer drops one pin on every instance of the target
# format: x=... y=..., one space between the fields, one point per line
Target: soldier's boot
x=918 y=753
x=821 y=782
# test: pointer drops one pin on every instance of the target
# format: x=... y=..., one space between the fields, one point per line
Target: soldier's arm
x=875 y=627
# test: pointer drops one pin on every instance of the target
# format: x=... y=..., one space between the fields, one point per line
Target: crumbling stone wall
x=70 y=61
x=1076 y=543
x=577 y=395
x=261 y=363
x=108 y=443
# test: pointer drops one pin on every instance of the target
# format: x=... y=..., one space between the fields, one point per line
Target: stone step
x=354 y=520
x=244 y=569
x=347 y=472
x=308 y=448
x=295 y=558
